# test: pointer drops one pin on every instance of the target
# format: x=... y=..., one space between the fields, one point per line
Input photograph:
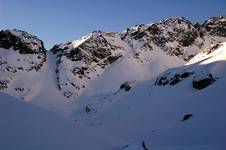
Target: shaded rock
x=203 y=82
x=112 y=59
x=144 y=146
x=21 y=41
x=126 y=86
x=216 y=26
x=68 y=94
x=89 y=109
x=186 y=117
x=172 y=80
x=4 y=84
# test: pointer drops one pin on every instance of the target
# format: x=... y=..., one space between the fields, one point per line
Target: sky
x=59 y=21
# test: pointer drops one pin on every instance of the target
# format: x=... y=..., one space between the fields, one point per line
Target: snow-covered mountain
x=183 y=108
x=154 y=86
x=21 y=58
x=136 y=54
x=93 y=62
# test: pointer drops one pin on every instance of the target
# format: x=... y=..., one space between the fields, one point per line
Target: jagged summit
x=22 y=41
x=22 y=57
x=216 y=26
x=173 y=35
x=84 y=59
x=177 y=35
x=136 y=54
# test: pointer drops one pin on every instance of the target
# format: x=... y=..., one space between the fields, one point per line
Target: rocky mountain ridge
x=81 y=62
x=158 y=86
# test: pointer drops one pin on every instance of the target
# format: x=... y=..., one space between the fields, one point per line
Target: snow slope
x=24 y=126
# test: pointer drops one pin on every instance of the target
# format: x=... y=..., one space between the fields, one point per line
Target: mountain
x=183 y=108
x=22 y=56
x=141 y=53
x=156 y=86
x=80 y=66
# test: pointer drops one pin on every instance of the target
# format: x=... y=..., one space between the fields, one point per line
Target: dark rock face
x=187 y=38
x=186 y=117
x=182 y=31
x=176 y=35
x=89 y=109
x=172 y=30
x=126 y=86
x=94 y=50
x=4 y=84
x=144 y=146
x=21 y=41
x=112 y=59
x=25 y=44
x=166 y=79
x=82 y=72
x=204 y=82
x=201 y=79
x=216 y=26
x=56 y=49
x=68 y=94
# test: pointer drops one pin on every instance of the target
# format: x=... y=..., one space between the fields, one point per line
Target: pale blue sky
x=56 y=21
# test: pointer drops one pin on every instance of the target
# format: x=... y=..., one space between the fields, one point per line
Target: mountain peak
x=168 y=43
x=216 y=26
x=22 y=41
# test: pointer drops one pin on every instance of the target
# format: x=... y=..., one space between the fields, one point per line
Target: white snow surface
x=25 y=126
